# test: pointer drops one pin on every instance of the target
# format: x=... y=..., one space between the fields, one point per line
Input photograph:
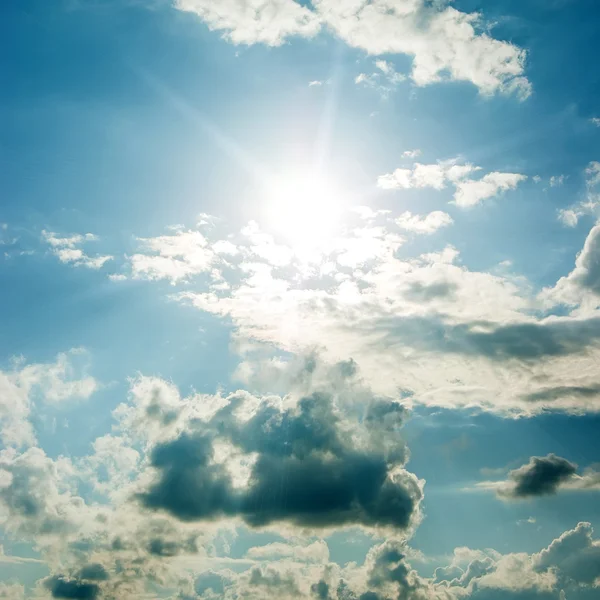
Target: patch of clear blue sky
x=88 y=145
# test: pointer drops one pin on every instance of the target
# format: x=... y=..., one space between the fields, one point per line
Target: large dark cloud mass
x=311 y=468
x=63 y=587
x=542 y=475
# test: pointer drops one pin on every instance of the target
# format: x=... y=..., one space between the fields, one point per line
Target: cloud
x=426 y=224
x=411 y=153
x=384 y=79
x=61 y=587
x=35 y=500
x=582 y=285
x=444 y=43
x=425 y=323
x=175 y=257
x=268 y=22
x=543 y=476
x=468 y=191
x=12 y=591
x=55 y=383
x=331 y=479
x=317 y=552
x=575 y=554
x=68 y=250
x=590 y=205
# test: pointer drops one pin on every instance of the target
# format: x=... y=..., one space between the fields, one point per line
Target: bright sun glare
x=304 y=209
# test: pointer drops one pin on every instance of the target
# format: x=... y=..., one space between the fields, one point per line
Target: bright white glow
x=304 y=209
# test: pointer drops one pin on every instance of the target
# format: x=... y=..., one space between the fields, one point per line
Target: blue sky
x=300 y=299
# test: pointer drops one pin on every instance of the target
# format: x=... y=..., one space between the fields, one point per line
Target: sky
x=299 y=299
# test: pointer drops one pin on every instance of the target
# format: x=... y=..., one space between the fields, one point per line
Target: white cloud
x=557 y=180
x=68 y=251
x=582 y=284
x=472 y=192
x=595 y=121
x=52 y=383
x=176 y=257
x=440 y=39
x=469 y=192
x=411 y=153
x=443 y=42
x=12 y=591
x=426 y=224
x=315 y=83
x=268 y=22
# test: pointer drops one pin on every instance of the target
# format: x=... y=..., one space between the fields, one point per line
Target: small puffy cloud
x=472 y=192
x=595 y=121
x=411 y=153
x=544 y=476
x=425 y=224
x=315 y=83
x=557 y=180
x=68 y=249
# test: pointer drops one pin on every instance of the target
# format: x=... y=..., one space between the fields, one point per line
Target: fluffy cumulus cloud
x=468 y=191
x=325 y=474
x=69 y=249
x=544 y=476
x=582 y=285
x=443 y=42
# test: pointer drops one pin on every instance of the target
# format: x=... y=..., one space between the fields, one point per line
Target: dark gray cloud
x=93 y=572
x=423 y=292
x=541 y=476
x=308 y=470
x=523 y=341
x=320 y=590
x=63 y=587
x=164 y=547
x=556 y=393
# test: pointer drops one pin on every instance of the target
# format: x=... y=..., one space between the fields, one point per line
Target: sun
x=303 y=208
